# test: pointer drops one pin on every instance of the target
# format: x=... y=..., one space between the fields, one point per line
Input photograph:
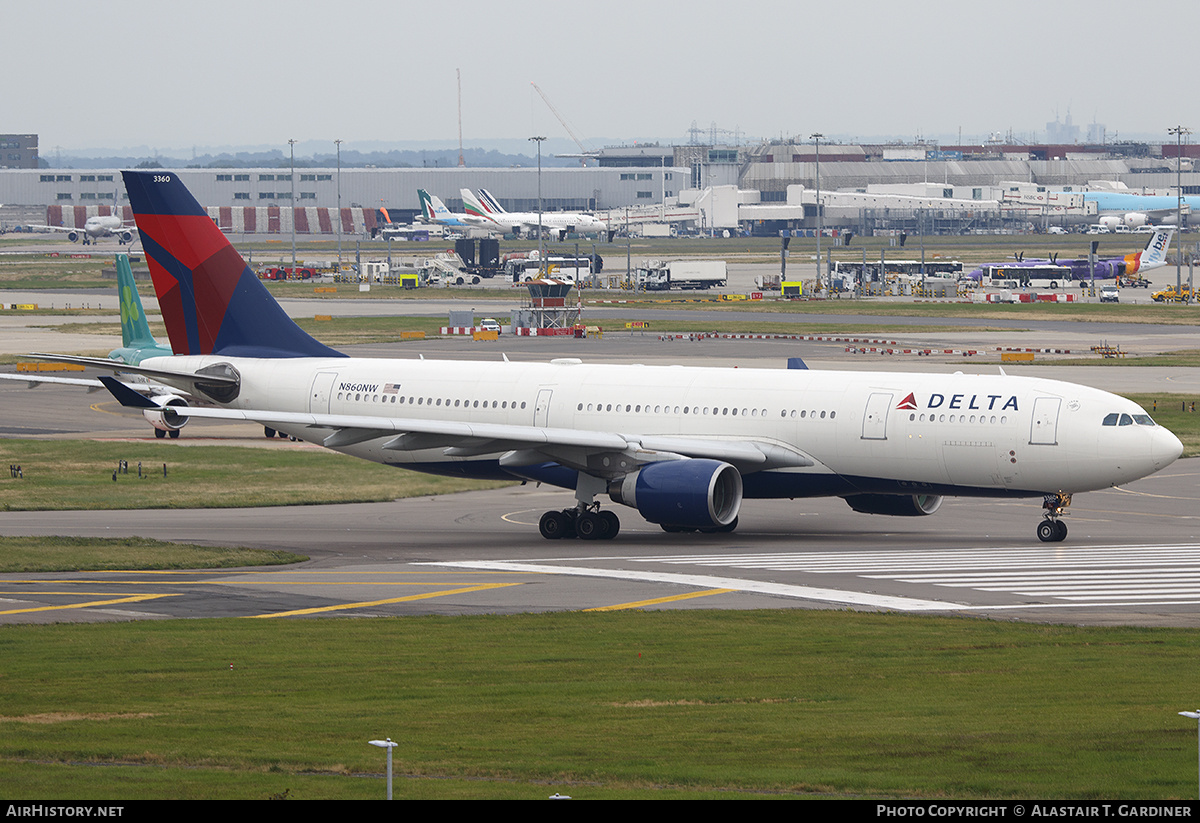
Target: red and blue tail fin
x=212 y=303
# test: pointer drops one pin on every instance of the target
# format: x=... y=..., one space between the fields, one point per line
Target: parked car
x=1110 y=294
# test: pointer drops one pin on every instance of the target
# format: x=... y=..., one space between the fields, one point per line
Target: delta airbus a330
x=683 y=446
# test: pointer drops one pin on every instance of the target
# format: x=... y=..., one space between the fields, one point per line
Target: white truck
x=660 y=275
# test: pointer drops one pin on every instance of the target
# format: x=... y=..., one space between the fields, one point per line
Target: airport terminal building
x=762 y=188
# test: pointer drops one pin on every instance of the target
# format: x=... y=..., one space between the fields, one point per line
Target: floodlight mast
x=1179 y=132
x=389 y=745
x=816 y=137
x=1195 y=716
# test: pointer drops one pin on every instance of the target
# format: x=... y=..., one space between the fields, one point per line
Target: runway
x=1132 y=558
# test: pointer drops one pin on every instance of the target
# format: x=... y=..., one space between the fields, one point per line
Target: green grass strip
x=630 y=704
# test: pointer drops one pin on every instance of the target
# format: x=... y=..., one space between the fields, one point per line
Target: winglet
x=126 y=396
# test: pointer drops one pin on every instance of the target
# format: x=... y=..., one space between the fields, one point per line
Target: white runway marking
x=710 y=582
x=1053 y=576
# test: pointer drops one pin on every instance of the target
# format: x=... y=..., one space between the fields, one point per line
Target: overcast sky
x=215 y=73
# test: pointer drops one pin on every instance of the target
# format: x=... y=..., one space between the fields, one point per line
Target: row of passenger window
x=958 y=418
x=445 y=403
x=711 y=411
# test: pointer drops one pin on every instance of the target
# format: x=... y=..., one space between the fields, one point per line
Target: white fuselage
x=550 y=220
x=902 y=433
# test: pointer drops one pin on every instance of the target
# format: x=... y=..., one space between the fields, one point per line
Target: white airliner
x=561 y=223
x=95 y=227
x=683 y=446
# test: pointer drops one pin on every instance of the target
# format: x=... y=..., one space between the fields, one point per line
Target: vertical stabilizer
x=135 y=329
x=473 y=207
x=490 y=202
x=211 y=301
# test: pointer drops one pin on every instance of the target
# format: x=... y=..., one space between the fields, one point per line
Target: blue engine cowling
x=897 y=505
x=695 y=494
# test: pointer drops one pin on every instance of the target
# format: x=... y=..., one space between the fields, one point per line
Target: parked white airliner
x=488 y=211
x=683 y=446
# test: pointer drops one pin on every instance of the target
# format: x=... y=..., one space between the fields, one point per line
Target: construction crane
x=585 y=153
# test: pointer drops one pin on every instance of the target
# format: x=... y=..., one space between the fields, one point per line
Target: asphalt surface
x=1132 y=556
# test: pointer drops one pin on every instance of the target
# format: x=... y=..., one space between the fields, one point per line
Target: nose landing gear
x=1052 y=529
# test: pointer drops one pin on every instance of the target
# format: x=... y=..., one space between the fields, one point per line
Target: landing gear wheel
x=554 y=525
x=1052 y=531
x=159 y=433
x=174 y=434
x=268 y=432
x=591 y=526
x=614 y=523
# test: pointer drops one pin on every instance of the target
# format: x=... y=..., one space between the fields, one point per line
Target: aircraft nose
x=1165 y=448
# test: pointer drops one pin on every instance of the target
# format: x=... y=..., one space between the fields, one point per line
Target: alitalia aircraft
x=683 y=446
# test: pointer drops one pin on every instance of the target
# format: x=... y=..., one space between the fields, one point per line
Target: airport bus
x=1038 y=276
x=519 y=269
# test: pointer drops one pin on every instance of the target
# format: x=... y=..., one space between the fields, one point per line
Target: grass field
x=31 y=555
x=78 y=474
x=638 y=704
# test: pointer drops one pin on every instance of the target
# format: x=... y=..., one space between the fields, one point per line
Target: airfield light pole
x=817 y=137
x=1195 y=716
x=1179 y=132
x=541 y=253
x=338 y=143
x=292 y=149
x=389 y=745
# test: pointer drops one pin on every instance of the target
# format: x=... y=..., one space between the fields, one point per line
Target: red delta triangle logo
x=909 y=402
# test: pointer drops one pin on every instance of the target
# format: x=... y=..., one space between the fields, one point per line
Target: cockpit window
x=1117 y=419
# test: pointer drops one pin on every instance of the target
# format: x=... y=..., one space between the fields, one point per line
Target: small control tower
x=549 y=310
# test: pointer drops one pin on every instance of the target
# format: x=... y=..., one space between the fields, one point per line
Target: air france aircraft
x=682 y=446
x=487 y=209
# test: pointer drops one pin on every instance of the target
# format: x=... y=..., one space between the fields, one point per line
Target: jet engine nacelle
x=1135 y=219
x=1111 y=221
x=73 y=236
x=693 y=494
x=125 y=237
x=162 y=418
x=897 y=505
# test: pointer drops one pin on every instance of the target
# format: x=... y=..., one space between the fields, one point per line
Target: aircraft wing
x=56 y=228
x=595 y=452
x=90 y=383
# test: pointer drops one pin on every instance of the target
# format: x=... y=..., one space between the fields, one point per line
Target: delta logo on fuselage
x=974 y=402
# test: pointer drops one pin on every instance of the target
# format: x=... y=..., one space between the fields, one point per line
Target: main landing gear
x=586 y=522
x=1052 y=529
